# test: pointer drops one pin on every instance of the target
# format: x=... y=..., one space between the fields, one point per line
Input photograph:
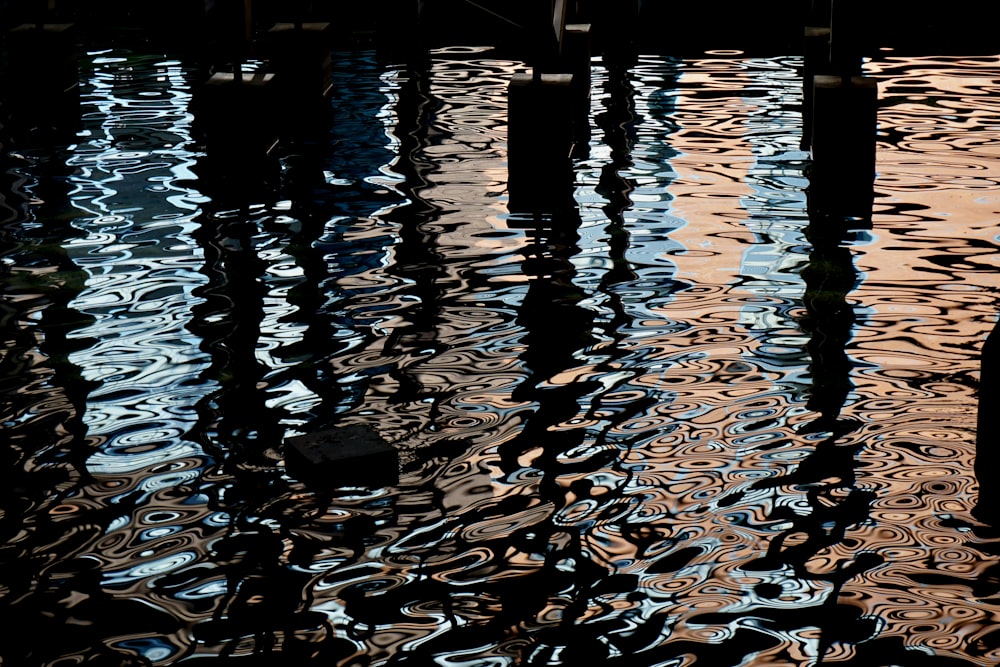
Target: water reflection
x=235 y=419
x=418 y=259
x=42 y=392
x=671 y=423
x=830 y=276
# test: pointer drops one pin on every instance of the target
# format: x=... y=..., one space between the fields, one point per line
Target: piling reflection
x=228 y=319
x=617 y=121
x=41 y=283
x=418 y=259
x=830 y=276
x=44 y=392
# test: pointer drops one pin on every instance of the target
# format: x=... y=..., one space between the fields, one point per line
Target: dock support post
x=987 y=507
x=576 y=55
x=843 y=147
x=849 y=34
x=398 y=30
x=229 y=30
x=238 y=118
x=43 y=88
x=548 y=113
x=539 y=140
x=299 y=53
x=236 y=112
x=815 y=61
x=616 y=23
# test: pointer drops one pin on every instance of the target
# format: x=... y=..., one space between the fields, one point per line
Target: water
x=670 y=429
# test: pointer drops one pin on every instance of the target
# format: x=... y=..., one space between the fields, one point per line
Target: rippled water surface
x=667 y=428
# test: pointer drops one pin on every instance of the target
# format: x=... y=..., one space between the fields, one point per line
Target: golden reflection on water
x=718 y=428
x=929 y=300
x=715 y=472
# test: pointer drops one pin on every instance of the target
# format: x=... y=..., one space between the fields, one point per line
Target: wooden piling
x=238 y=121
x=576 y=51
x=42 y=87
x=815 y=61
x=559 y=23
x=576 y=55
x=818 y=13
x=229 y=27
x=616 y=24
x=849 y=36
x=299 y=54
x=539 y=141
x=398 y=27
x=842 y=173
x=548 y=114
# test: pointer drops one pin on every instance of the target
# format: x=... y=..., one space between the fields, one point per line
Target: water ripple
x=667 y=429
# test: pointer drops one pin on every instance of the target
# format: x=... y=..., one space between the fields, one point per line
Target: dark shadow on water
x=828 y=475
x=418 y=262
x=556 y=328
x=235 y=417
x=829 y=276
x=618 y=121
x=46 y=442
x=987 y=507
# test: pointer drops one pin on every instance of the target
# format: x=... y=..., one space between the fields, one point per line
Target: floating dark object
x=352 y=455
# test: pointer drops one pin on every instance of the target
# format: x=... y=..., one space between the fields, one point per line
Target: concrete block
x=352 y=455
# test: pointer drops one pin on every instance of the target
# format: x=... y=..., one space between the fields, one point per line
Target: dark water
x=666 y=429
